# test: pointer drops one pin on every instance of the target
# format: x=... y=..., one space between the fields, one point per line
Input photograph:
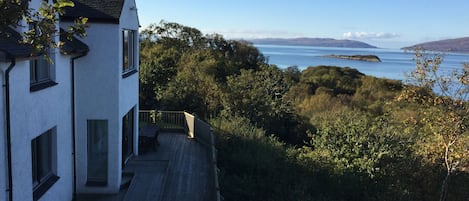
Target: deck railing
x=193 y=127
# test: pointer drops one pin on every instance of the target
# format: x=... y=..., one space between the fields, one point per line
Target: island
x=369 y=58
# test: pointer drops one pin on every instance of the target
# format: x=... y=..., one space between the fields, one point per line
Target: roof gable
x=95 y=10
x=72 y=45
x=10 y=45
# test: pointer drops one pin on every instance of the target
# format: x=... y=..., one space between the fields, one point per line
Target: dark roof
x=72 y=45
x=95 y=10
x=10 y=45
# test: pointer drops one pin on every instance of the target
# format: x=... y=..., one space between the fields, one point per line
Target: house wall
x=32 y=114
x=99 y=97
x=3 y=160
x=128 y=87
x=96 y=97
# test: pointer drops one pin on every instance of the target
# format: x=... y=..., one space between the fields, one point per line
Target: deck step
x=126 y=179
x=148 y=180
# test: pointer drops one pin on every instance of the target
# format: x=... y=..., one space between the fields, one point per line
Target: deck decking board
x=188 y=170
x=177 y=170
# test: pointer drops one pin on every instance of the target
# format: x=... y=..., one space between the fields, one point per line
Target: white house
x=69 y=127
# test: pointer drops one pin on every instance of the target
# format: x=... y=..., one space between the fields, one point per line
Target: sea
x=395 y=63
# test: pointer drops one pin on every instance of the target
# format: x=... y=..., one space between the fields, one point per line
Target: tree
x=342 y=80
x=260 y=96
x=44 y=20
x=158 y=67
x=171 y=34
x=444 y=134
x=169 y=51
x=195 y=91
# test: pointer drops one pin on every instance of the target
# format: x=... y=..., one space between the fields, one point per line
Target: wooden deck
x=178 y=170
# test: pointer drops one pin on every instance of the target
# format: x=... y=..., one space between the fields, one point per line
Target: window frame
x=97 y=146
x=37 y=84
x=129 y=50
x=42 y=72
x=43 y=163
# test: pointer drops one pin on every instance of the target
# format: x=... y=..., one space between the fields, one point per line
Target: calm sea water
x=394 y=65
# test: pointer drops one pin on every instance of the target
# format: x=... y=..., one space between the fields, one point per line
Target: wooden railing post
x=190 y=121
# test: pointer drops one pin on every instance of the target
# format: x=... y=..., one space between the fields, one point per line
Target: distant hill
x=460 y=45
x=318 y=42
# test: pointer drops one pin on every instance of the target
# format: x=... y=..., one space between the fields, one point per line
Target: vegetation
x=42 y=21
x=369 y=58
x=324 y=133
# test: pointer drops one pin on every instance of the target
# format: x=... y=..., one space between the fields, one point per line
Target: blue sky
x=383 y=23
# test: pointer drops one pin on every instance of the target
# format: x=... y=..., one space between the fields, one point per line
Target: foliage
x=340 y=80
x=374 y=93
x=254 y=166
x=444 y=136
x=349 y=140
x=369 y=138
x=12 y=12
x=167 y=49
x=260 y=96
x=194 y=91
x=44 y=20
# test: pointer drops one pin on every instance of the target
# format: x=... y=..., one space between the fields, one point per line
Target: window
x=127 y=135
x=39 y=70
x=44 y=163
x=128 y=52
x=41 y=73
x=97 y=152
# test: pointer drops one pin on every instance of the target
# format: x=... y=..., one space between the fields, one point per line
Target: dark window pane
x=97 y=150
x=41 y=157
x=126 y=49
x=39 y=70
x=42 y=69
x=127 y=135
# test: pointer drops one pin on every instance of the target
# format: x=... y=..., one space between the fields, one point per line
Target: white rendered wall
x=128 y=87
x=3 y=160
x=96 y=97
x=103 y=93
x=32 y=114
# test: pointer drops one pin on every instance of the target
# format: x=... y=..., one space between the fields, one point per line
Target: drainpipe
x=6 y=85
x=72 y=63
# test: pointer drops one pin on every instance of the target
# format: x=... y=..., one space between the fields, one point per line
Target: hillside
x=460 y=45
x=318 y=42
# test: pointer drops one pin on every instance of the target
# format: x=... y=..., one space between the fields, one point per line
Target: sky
x=383 y=23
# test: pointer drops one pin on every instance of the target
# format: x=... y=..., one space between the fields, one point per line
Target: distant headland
x=460 y=45
x=317 y=42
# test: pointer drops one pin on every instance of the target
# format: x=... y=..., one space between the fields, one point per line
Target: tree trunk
x=444 y=187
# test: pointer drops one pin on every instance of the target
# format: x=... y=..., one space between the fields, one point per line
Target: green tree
x=166 y=49
x=261 y=97
x=158 y=67
x=342 y=80
x=195 y=91
x=444 y=134
x=41 y=36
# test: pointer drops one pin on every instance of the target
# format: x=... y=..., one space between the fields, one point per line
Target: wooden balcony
x=183 y=166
